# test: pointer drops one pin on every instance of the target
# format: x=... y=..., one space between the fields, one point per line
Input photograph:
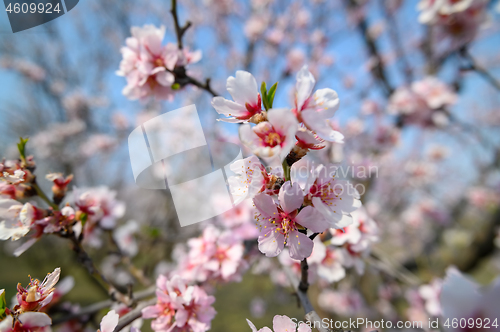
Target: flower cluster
x=180 y=307
x=424 y=103
x=279 y=131
x=214 y=256
x=282 y=324
x=292 y=195
x=338 y=250
x=25 y=316
x=149 y=66
x=459 y=20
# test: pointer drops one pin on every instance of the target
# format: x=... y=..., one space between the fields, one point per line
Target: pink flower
x=180 y=308
x=309 y=140
x=247 y=100
x=252 y=178
x=422 y=102
x=463 y=298
x=37 y=295
x=147 y=64
x=280 y=225
x=17 y=219
x=431 y=293
x=109 y=322
x=271 y=140
x=436 y=93
x=282 y=324
x=100 y=205
x=357 y=239
x=458 y=20
x=332 y=197
x=26 y=322
x=215 y=256
x=315 y=110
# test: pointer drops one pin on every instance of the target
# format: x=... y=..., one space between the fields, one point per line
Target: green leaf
x=263 y=95
x=3 y=304
x=176 y=86
x=286 y=170
x=21 y=146
x=270 y=96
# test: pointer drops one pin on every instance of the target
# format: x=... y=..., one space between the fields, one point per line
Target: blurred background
x=431 y=183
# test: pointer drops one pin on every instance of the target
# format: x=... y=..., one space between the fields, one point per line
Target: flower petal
x=300 y=245
x=243 y=88
x=291 y=197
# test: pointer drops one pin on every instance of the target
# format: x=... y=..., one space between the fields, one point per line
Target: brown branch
x=464 y=52
x=181 y=76
x=89 y=265
x=180 y=31
x=378 y=69
x=131 y=316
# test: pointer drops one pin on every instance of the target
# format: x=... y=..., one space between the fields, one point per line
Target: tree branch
x=131 y=316
x=464 y=52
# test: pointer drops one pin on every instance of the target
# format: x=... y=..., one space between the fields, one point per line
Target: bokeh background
x=436 y=192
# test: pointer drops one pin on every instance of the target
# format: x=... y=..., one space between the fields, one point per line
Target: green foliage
x=268 y=96
x=21 y=146
x=3 y=304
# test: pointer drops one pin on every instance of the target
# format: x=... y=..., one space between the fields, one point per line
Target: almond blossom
x=357 y=239
x=17 y=219
x=37 y=294
x=109 y=322
x=180 y=308
x=423 y=102
x=284 y=225
x=271 y=140
x=253 y=178
x=282 y=324
x=315 y=110
x=459 y=20
x=148 y=65
x=332 y=197
x=215 y=255
x=247 y=102
x=470 y=302
x=26 y=322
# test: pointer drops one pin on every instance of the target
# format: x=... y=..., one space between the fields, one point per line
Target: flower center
x=273 y=139
x=159 y=62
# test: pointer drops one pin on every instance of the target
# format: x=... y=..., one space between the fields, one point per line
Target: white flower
x=109 y=322
x=315 y=110
x=15 y=178
x=271 y=140
x=463 y=298
x=332 y=197
x=17 y=219
x=247 y=100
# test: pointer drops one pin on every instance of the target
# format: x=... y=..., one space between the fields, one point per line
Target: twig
x=87 y=262
x=478 y=69
x=181 y=76
x=96 y=307
x=378 y=69
x=131 y=316
x=311 y=314
x=178 y=29
x=42 y=195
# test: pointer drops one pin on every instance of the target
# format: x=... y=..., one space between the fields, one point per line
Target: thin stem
x=87 y=262
x=131 y=316
x=178 y=29
x=480 y=70
x=42 y=195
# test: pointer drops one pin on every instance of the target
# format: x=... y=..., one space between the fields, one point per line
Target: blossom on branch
x=247 y=104
x=180 y=308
